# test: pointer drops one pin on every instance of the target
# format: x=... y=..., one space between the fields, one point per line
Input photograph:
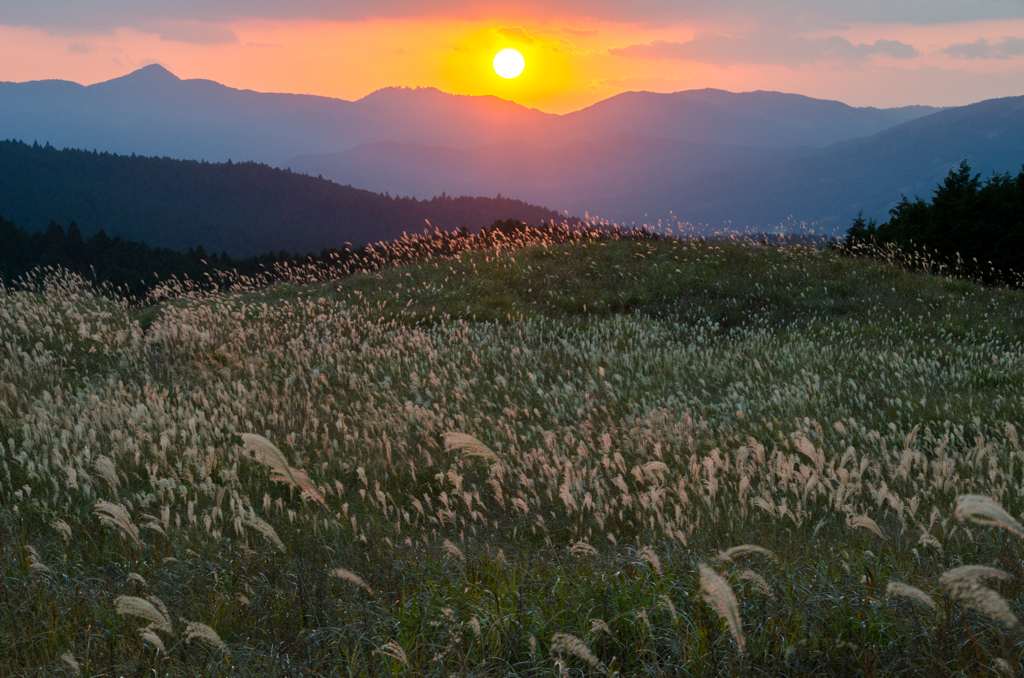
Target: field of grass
x=628 y=457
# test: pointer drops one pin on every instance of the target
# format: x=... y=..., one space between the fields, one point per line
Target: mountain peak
x=153 y=74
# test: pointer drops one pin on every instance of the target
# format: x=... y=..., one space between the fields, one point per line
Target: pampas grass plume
x=867 y=524
x=716 y=592
x=117 y=516
x=130 y=606
x=567 y=644
x=200 y=631
x=898 y=588
x=351 y=577
x=393 y=650
x=982 y=510
x=470 y=446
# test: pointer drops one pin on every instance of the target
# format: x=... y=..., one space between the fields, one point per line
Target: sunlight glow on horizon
x=572 y=62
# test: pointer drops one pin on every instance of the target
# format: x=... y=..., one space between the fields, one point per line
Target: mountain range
x=705 y=156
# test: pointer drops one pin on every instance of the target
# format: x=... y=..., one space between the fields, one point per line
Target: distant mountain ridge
x=710 y=157
x=243 y=208
x=152 y=112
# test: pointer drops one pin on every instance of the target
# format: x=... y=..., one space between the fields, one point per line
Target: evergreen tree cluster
x=244 y=208
x=973 y=225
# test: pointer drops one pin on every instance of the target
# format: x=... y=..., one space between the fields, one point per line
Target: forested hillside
x=971 y=224
x=243 y=208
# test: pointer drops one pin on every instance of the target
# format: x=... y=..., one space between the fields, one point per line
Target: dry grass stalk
x=716 y=592
x=964 y=584
x=982 y=510
x=34 y=563
x=150 y=637
x=759 y=581
x=898 y=588
x=454 y=550
x=599 y=626
x=647 y=555
x=394 y=651
x=728 y=555
x=268 y=454
x=200 y=631
x=351 y=577
x=250 y=519
x=117 y=516
x=582 y=548
x=866 y=523
x=567 y=644
x=63 y=529
x=104 y=466
x=130 y=606
x=70 y=660
x=470 y=446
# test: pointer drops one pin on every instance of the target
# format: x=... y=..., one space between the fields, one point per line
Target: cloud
x=193 y=32
x=78 y=48
x=981 y=49
x=808 y=14
x=764 y=48
x=515 y=34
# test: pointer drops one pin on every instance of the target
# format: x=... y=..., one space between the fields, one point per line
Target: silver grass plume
x=394 y=651
x=117 y=516
x=250 y=519
x=867 y=524
x=200 y=631
x=964 y=584
x=716 y=592
x=898 y=588
x=351 y=577
x=150 y=637
x=470 y=446
x=982 y=510
x=566 y=644
x=130 y=606
x=648 y=555
x=582 y=548
x=70 y=660
x=268 y=454
x=728 y=555
x=454 y=550
x=34 y=563
x=104 y=466
x=63 y=528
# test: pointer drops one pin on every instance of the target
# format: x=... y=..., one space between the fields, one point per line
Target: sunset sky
x=876 y=53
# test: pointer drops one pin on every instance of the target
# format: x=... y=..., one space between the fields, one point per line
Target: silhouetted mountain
x=757 y=119
x=627 y=178
x=243 y=208
x=152 y=112
x=832 y=185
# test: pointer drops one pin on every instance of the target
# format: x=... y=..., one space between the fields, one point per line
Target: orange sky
x=570 y=62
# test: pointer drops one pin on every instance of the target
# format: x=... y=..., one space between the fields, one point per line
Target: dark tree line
x=244 y=208
x=975 y=225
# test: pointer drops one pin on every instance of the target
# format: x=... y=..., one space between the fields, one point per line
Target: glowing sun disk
x=509 y=63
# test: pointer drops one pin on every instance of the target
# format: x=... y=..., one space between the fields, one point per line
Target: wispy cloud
x=516 y=34
x=107 y=14
x=765 y=48
x=983 y=49
x=193 y=32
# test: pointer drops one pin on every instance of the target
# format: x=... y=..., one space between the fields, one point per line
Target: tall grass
x=357 y=477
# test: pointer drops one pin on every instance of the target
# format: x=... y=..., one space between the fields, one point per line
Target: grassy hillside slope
x=640 y=407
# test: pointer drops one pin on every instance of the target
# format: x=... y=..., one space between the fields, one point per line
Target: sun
x=509 y=63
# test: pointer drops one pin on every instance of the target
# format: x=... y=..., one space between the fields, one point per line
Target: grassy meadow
x=596 y=457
